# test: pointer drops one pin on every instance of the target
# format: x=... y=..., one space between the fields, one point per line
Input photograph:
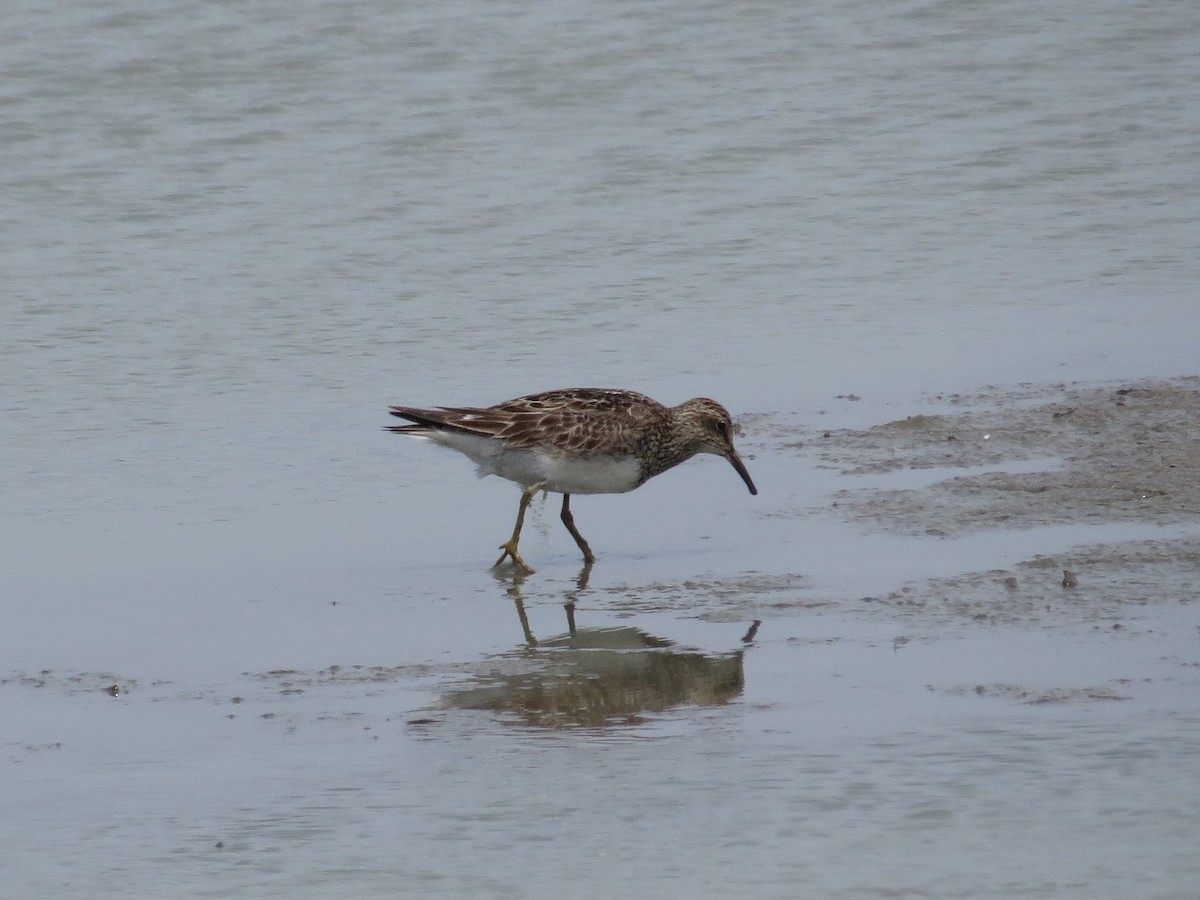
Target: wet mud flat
x=991 y=464
x=1049 y=457
x=1020 y=725
x=1110 y=453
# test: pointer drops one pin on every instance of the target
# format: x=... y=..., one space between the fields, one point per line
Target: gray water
x=231 y=234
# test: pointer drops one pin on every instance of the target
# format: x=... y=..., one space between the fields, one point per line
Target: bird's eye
x=722 y=427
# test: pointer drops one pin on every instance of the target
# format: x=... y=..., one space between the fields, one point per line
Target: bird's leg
x=510 y=547
x=569 y=521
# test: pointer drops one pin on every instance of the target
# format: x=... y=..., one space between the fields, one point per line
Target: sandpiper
x=576 y=441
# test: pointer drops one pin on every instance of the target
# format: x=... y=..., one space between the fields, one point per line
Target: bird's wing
x=578 y=420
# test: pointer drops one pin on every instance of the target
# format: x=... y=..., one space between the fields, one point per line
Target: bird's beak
x=736 y=462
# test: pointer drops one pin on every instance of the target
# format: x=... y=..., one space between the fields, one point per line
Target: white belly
x=563 y=475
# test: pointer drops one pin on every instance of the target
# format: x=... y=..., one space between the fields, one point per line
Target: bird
x=576 y=441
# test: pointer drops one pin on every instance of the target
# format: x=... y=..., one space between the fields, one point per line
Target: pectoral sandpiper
x=577 y=441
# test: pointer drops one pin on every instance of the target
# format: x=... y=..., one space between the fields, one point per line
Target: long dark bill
x=736 y=462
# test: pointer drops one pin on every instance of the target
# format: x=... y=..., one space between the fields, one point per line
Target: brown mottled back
x=559 y=422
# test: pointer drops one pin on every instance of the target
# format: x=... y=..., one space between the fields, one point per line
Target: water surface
x=231 y=236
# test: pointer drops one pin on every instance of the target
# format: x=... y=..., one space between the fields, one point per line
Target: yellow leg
x=510 y=547
x=569 y=521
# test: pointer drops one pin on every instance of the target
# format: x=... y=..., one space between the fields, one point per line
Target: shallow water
x=232 y=236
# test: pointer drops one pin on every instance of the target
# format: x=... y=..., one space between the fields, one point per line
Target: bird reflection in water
x=593 y=677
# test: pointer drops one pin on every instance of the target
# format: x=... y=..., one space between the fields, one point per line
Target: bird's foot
x=510 y=551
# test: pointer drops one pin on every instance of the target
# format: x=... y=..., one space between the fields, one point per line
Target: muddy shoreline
x=1127 y=452
x=1026 y=458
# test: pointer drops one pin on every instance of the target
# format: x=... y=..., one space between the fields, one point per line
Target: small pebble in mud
x=1011 y=582
x=1070 y=579
x=112 y=690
